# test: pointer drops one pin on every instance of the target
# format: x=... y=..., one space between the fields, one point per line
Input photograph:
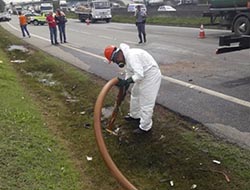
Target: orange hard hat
x=108 y=52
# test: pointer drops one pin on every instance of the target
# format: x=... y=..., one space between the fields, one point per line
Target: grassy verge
x=168 y=21
x=160 y=20
x=47 y=134
x=30 y=156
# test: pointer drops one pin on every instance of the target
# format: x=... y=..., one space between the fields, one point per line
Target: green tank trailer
x=232 y=14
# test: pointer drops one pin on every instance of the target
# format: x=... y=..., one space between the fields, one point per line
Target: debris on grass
x=82 y=113
x=194 y=186
x=195 y=128
x=70 y=100
x=161 y=137
x=87 y=125
x=171 y=183
x=18 y=61
x=112 y=132
x=223 y=173
x=117 y=130
x=216 y=162
x=47 y=82
x=18 y=47
x=89 y=158
x=217 y=171
x=62 y=169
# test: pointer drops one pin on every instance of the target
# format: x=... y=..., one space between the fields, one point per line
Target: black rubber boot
x=140 y=37
x=144 y=38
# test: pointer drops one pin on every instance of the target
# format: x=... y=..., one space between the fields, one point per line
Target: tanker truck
x=232 y=14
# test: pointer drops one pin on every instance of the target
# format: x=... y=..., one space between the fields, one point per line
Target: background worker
x=52 y=28
x=142 y=70
x=61 y=22
x=23 y=24
x=140 y=23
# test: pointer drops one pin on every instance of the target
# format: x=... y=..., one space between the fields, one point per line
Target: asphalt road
x=197 y=83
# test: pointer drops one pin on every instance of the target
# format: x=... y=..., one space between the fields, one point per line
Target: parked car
x=39 y=19
x=30 y=16
x=132 y=7
x=166 y=8
x=5 y=16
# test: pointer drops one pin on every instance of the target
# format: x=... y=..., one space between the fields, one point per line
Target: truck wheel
x=35 y=22
x=108 y=20
x=242 y=26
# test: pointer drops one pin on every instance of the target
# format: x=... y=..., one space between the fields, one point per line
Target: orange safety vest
x=22 y=20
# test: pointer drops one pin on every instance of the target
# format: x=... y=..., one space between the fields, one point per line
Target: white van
x=132 y=7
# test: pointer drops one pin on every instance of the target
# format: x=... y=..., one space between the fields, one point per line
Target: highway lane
x=212 y=89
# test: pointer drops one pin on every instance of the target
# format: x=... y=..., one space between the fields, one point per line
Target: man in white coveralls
x=142 y=70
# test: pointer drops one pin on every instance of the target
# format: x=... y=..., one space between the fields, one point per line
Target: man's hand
x=124 y=83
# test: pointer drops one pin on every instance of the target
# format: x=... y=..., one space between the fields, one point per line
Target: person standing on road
x=140 y=23
x=23 y=24
x=52 y=28
x=61 y=20
x=142 y=70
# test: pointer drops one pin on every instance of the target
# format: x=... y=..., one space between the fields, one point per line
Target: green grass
x=159 y=20
x=36 y=117
x=31 y=157
x=163 y=20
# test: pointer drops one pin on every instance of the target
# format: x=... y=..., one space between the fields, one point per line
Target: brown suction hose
x=99 y=138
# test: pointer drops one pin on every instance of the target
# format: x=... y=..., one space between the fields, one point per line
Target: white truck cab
x=46 y=7
x=94 y=10
x=63 y=5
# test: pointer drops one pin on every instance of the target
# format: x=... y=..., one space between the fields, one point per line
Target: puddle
x=107 y=112
x=47 y=82
x=18 y=47
x=45 y=78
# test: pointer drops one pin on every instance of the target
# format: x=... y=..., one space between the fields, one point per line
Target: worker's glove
x=124 y=83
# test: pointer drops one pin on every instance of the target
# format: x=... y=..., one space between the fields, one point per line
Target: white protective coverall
x=145 y=72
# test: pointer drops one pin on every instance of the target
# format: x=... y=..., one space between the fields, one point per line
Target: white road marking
x=85 y=52
x=175 y=81
x=42 y=38
x=106 y=37
x=208 y=91
x=129 y=42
